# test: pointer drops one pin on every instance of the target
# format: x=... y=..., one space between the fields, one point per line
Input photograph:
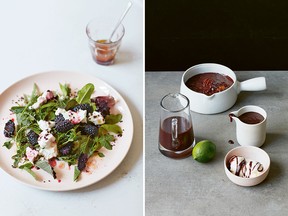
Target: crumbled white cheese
x=45 y=139
x=47 y=95
x=46 y=125
x=49 y=152
x=31 y=154
x=96 y=118
x=48 y=145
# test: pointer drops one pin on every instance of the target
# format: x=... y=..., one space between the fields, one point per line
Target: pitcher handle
x=174 y=132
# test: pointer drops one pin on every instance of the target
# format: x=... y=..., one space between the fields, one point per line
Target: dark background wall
x=241 y=34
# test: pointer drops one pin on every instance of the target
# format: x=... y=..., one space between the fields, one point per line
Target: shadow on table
x=124 y=57
x=272 y=139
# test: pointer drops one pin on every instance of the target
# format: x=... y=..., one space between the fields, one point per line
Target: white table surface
x=38 y=36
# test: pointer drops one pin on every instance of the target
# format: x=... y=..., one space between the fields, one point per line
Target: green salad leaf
x=27 y=167
x=44 y=165
x=85 y=93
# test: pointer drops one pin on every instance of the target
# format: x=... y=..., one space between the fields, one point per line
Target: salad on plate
x=70 y=126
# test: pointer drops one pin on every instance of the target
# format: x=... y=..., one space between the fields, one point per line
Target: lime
x=204 y=151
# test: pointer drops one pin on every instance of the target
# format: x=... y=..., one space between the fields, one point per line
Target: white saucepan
x=221 y=101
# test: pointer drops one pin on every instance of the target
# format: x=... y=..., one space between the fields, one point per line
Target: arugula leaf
x=70 y=159
x=96 y=145
x=17 y=109
x=65 y=89
x=34 y=95
x=21 y=136
x=100 y=154
x=112 y=128
x=47 y=111
x=27 y=167
x=21 y=150
x=105 y=141
x=77 y=173
x=8 y=144
x=113 y=119
x=85 y=93
x=44 y=165
x=70 y=104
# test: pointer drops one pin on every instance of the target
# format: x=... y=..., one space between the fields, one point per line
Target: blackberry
x=103 y=104
x=63 y=126
x=109 y=100
x=82 y=160
x=89 y=129
x=59 y=118
x=66 y=149
x=32 y=137
x=9 y=129
x=85 y=106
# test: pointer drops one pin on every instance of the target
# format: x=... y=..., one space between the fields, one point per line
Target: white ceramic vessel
x=252 y=153
x=221 y=101
x=250 y=134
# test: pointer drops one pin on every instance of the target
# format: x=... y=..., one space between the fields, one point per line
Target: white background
x=38 y=36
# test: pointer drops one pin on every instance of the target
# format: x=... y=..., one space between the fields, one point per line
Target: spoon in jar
x=120 y=20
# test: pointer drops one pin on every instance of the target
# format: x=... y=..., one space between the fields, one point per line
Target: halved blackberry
x=89 y=129
x=85 y=106
x=63 y=126
x=66 y=149
x=9 y=129
x=32 y=137
x=82 y=160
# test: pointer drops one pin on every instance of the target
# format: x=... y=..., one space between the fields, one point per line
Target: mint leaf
x=44 y=165
x=85 y=93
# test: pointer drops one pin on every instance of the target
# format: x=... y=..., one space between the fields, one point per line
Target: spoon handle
x=121 y=18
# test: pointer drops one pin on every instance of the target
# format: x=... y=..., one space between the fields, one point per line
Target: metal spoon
x=120 y=20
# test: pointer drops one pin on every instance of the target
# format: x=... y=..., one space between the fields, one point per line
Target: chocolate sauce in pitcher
x=249 y=117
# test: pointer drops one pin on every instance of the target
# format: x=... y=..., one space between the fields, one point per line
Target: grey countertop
x=186 y=187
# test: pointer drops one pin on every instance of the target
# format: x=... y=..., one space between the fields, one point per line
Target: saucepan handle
x=254 y=84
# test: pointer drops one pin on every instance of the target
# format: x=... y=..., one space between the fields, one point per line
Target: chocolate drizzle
x=243 y=167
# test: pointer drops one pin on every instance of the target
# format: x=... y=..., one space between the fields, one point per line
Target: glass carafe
x=176 y=136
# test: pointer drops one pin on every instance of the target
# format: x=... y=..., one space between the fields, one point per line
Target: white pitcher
x=250 y=134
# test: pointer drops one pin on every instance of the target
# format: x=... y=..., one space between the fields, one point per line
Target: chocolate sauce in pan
x=209 y=83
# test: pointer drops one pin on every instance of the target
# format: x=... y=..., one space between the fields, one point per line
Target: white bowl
x=252 y=153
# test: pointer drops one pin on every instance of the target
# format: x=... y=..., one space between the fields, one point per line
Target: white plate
x=101 y=167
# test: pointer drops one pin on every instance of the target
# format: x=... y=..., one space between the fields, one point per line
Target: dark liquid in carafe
x=185 y=134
